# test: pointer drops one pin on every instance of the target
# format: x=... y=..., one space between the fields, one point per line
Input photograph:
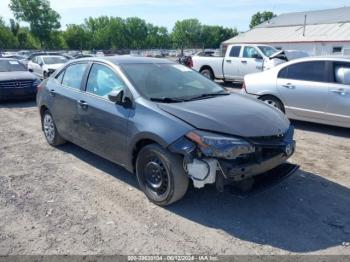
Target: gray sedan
x=166 y=123
x=315 y=89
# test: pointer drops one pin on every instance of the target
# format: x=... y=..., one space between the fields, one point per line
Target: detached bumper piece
x=261 y=182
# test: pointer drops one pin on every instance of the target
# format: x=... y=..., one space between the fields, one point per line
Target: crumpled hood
x=17 y=75
x=233 y=114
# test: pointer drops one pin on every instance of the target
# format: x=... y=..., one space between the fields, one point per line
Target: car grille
x=16 y=84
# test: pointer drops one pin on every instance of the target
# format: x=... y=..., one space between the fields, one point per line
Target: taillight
x=190 y=62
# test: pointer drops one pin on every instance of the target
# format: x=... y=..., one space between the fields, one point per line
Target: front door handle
x=340 y=91
x=83 y=104
x=228 y=61
x=289 y=85
x=243 y=61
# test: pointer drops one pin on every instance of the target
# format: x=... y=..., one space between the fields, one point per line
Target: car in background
x=15 y=81
x=239 y=60
x=156 y=118
x=34 y=54
x=43 y=66
x=315 y=89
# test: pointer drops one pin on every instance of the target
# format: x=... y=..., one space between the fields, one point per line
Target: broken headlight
x=220 y=146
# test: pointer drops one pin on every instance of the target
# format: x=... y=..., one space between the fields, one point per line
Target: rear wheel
x=50 y=131
x=273 y=101
x=160 y=175
x=207 y=73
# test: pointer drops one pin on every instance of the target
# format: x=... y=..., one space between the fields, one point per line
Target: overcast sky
x=229 y=13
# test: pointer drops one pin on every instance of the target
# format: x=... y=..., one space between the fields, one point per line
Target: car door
x=39 y=66
x=66 y=93
x=304 y=88
x=32 y=65
x=338 y=108
x=231 y=63
x=251 y=61
x=103 y=123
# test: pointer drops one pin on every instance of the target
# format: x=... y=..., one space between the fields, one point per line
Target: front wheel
x=161 y=175
x=50 y=131
x=207 y=73
x=273 y=101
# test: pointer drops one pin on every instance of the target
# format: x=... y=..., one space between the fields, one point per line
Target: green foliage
x=108 y=33
x=259 y=18
x=43 y=20
x=187 y=33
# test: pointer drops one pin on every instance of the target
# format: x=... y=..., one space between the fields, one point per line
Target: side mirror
x=30 y=70
x=116 y=96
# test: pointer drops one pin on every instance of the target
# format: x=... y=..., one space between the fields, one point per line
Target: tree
x=76 y=37
x=7 y=39
x=42 y=19
x=259 y=18
x=213 y=36
x=136 y=32
x=186 y=33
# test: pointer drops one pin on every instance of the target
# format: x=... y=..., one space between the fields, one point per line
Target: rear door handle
x=340 y=91
x=289 y=85
x=228 y=61
x=83 y=104
x=52 y=92
x=243 y=61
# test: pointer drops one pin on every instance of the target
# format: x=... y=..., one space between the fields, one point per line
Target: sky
x=228 y=13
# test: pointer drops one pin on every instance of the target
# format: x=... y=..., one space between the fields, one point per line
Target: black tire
x=160 y=175
x=273 y=101
x=207 y=73
x=50 y=131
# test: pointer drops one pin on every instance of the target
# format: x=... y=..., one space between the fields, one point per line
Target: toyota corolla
x=166 y=123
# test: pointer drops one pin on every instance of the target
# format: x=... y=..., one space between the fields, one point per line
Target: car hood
x=16 y=75
x=233 y=114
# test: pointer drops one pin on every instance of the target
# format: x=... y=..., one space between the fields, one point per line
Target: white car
x=315 y=89
x=44 y=66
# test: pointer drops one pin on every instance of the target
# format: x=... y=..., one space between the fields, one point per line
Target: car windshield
x=169 y=82
x=267 y=50
x=11 y=65
x=49 y=60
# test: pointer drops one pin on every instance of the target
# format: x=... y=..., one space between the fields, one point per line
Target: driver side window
x=103 y=80
x=250 y=52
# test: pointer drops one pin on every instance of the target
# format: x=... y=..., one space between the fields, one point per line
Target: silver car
x=315 y=89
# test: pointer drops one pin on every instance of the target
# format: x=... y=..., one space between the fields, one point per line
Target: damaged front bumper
x=267 y=156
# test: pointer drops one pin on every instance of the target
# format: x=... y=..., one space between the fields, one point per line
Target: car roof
x=7 y=59
x=127 y=59
x=45 y=56
x=324 y=58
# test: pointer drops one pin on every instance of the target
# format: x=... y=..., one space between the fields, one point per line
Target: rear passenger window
x=235 y=50
x=73 y=75
x=305 y=71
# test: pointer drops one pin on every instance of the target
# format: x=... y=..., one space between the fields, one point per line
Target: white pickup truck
x=238 y=61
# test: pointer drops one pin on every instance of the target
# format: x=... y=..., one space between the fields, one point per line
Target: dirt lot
x=69 y=201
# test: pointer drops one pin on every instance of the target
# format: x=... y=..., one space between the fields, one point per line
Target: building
x=324 y=32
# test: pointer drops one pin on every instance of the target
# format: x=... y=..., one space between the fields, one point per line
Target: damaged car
x=167 y=124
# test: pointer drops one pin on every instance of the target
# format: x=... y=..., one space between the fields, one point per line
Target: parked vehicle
x=238 y=61
x=34 y=54
x=15 y=81
x=185 y=60
x=44 y=66
x=315 y=89
x=156 y=118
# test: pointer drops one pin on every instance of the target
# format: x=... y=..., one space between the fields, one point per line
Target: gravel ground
x=70 y=201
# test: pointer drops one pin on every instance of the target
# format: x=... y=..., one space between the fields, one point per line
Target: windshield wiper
x=208 y=95
x=166 y=99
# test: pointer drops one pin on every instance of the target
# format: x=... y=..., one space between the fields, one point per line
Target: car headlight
x=221 y=146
